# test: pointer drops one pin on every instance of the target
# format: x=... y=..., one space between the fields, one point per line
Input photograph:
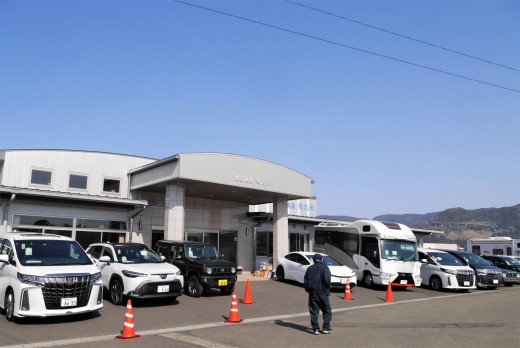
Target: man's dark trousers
x=319 y=301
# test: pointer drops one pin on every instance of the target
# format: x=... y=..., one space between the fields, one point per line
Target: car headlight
x=233 y=270
x=31 y=279
x=178 y=273
x=131 y=274
x=208 y=270
x=386 y=276
x=95 y=277
x=449 y=271
x=482 y=271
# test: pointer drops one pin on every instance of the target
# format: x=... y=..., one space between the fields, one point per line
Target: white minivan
x=46 y=275
x=441 y=270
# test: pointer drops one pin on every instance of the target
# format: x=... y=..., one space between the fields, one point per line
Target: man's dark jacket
x=317 y=279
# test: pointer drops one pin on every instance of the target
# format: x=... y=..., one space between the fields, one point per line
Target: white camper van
x=379 y=252
x=494 y=246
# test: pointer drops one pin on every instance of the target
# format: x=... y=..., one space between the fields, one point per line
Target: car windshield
x=445 y=259
x=511 y=262
x=329 y=261
x=136 y=254
x=201 y=252
x=401 y=250
x=475 y=260
x=50 y=253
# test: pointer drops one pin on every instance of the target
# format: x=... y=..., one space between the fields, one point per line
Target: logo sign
x=70 y=280
x=163 y=276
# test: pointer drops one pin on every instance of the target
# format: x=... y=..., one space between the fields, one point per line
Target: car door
x=300 y=267
x=426 y=268
x=4 y=249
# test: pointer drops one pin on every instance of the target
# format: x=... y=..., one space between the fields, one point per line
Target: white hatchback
x=45 y=275
x=133 y=270
x=441 y=270
x=294 y=265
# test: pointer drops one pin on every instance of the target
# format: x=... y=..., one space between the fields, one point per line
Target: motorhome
x=494 y=246
x=379 y=252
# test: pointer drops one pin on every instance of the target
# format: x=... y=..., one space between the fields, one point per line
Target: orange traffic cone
x=233 y=314
x=389 y=297
x=347 y=295
x=128 y=332
x=247 y=296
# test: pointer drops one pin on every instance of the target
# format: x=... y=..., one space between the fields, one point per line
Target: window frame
x=107 y=178
x=78 y=175
x=43 y=170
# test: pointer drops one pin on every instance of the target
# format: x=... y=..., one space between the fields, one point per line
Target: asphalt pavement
x=279 y=318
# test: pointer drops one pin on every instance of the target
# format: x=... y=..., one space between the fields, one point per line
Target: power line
x=346 y=46
x=401 y=35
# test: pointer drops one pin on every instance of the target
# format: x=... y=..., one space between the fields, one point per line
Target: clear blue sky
x=157 y=78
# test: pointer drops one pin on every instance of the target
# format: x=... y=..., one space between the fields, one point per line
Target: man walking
x=317 y=284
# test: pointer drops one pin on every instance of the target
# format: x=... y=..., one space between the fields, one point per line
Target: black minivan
x=488 y=275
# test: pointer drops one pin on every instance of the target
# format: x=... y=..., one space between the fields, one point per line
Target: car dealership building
x=252 y=209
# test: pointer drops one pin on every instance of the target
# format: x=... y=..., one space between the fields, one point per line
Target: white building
x=250 y=208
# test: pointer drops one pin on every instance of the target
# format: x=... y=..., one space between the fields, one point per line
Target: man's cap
x=317 y=257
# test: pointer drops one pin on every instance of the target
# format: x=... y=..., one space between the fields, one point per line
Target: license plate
x=495 y=281
x=344 y=281
x=222 y=282
x=163 y=288
x=466 y=283
x=404 y=282
x=69 y=301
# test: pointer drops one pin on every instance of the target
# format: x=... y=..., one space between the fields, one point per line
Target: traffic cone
x=389 y=297
x=247 y=296
x=347 y=295
x=128 y=332
x=233 y=314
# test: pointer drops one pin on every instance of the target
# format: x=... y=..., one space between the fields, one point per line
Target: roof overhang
x=225 y=177
x=84 y=199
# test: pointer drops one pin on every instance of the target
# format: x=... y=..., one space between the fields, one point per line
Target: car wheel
x=9 y=305
x=116 y=292
x=368 y=280
x=436 y=283
x=193 y=287
x=280 y=273
x=227 y=291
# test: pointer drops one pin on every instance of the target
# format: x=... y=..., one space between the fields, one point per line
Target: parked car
x=488 y=276
x=133 y=270
x=504 y=262
x=294 y=265
x=200 y=264
x=509 y=266
x=43 y=275
x=441 y=270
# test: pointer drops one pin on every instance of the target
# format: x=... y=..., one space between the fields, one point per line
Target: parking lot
x=279 y=317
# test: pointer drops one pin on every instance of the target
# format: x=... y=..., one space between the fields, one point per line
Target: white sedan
x=294 y=265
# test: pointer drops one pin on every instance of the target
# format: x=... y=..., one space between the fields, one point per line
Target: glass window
x=111 y=185
x=41 y=177
x=85 y=238
x=136 y=254
x=50 y=252
x=43 y=221
x=103 y=224
x=78 y=181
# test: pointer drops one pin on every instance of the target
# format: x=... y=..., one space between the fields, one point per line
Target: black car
x=488 y=275
x=505 y=262
x=200 y=264
x=509 y=265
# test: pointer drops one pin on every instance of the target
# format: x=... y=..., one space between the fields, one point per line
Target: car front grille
x=220 y=270
x=151 y=288
x=465 y=276
x=66 y=286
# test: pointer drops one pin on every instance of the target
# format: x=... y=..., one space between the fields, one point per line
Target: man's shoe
x=316 y=332
x=327 y=331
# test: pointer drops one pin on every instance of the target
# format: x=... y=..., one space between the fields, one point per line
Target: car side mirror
x=178 y=257
x=105 y=259
x=163 y=258
x=424 y=260
x=221 y=256
x=4 y=258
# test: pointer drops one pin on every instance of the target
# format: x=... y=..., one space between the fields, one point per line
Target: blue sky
x=157 y=78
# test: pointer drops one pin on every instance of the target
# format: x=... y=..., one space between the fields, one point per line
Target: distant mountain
x=458 y=224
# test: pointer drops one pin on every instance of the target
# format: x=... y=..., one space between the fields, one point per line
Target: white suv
x=441 y=270
x=46 y=275
x=134 y=270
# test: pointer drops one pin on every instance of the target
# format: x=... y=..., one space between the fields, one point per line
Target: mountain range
x=458 y=224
